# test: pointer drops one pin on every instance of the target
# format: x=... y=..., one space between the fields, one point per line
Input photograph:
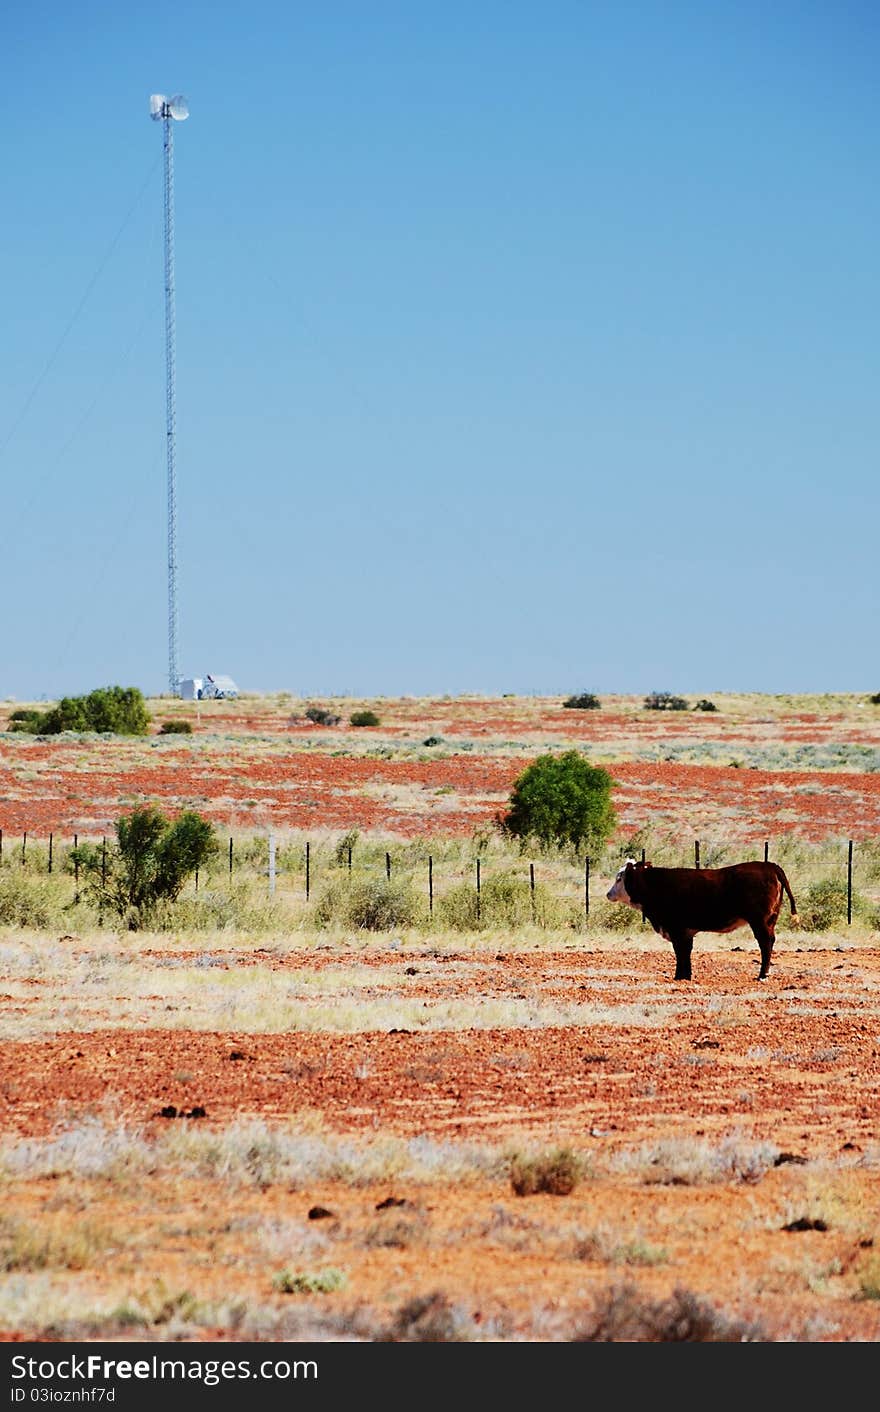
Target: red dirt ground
x=722 y=1061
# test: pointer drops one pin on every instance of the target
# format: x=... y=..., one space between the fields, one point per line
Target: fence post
x=308 y=870
x=1 y=845
x=349 y=857
x=532 y=887
x=230 y=857
x=586 y=887
x=849 y=854
x=75 y=869
x=478 y=889
x=643 y=855
x=271 y=862
x=430 y=884
x=388 y=866
x=766 y=850
x=103 y=878
x=197 y=879
x=23 y=844
x=696 y=853
x=50 y=853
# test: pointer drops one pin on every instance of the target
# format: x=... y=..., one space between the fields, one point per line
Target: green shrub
x=25 y=901
x=506 y=900
x=371 y=904
x=320 y=716
x=584 y=701
x=344 y=847
x=26 y=719
x=628 y=1315
x=149 y=863
x=118 y=710
x=875 y=699
x=310 y=1281
x=175 y=728
x=555 y=1172
x=665 y=701
x=433 y=740
x=562 y=799
x=364 y=718
x=824 y=906
x=705 y=705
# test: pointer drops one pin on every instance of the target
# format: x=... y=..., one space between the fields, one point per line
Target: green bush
x=175 y=728
x=556 y=1172
x=705 y=705
x=149 y=863
x=824 y=906
x=563 y=800
x=117 y=710
x=320 y=716
x=875 y=699
x=665 y=701
x=26 y=901
x=26 y=719
x=344 y=847
x=371 y=904
x=364 y=718
x=584 y=701
x=506 y=900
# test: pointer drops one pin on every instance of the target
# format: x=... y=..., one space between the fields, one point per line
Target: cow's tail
x=795 y=919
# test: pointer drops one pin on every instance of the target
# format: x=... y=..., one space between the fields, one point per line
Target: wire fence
x=51 y=856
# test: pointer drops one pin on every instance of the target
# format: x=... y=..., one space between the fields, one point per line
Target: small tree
x=121 y=710
x=364 y=718
x=562 y=799
x=150 y=862
x=704 y=704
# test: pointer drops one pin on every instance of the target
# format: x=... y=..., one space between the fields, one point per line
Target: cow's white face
x=617 y=891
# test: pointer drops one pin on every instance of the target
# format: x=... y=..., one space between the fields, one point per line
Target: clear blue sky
x=520 y=347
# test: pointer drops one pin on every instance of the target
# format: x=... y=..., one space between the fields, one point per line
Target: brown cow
x=679 y=902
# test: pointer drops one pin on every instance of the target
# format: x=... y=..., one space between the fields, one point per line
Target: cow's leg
x=765 y=935
x=683 y=945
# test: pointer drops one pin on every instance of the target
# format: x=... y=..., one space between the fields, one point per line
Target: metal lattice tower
x=166 y=111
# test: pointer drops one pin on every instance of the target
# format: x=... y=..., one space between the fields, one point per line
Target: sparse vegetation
x=338 y=1064
x=626 y=1315
x=175 y=728
x=704 y=704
